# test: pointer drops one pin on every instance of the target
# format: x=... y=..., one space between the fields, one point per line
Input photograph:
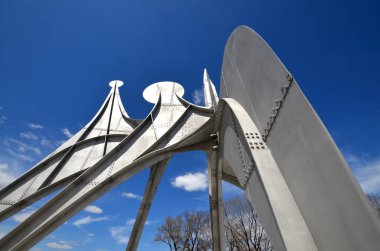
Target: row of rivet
x=111 y=130
x=255 y=143
x=240 y=150
x=7 y=202
x=28 y=187
x=276 y=109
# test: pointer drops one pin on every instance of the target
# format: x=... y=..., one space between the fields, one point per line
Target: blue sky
x=57 y=57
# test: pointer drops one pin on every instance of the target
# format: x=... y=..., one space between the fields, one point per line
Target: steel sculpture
x=262 y=135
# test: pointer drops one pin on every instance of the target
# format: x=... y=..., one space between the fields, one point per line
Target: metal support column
x=156 y=172
x=216 y=200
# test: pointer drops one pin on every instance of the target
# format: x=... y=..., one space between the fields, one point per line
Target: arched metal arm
x=140 y=149
x=259 y=174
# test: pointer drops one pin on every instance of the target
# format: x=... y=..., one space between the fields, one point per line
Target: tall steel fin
x=210 y=95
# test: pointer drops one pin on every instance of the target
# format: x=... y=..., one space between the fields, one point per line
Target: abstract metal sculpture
x=262 y=135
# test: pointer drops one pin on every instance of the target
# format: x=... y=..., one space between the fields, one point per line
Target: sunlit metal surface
x=261 y=135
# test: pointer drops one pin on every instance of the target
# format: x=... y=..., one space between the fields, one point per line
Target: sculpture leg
x=216 y=201
x=156 y=172
x=67 y=203
x=264 y=183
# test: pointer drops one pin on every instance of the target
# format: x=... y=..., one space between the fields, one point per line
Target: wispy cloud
x=46 y=142
x=5 y=176
x=59 y=142
x=198 y=96
x=191 y=182
x=93 y=209
x=22 y=146
x=35 y=126
x=89 y=219
x=3 y=119
x=62 y=245
x=130 y=222
x=28 y=135
x=366 y=171
x=20 y=156
x=67 y=132
x=132 y=196
x=23 y=215
x=119 y=233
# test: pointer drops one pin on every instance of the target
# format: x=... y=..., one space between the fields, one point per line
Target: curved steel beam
x=12 y=207
x=56 y=169
x=146 y=145
x=264 y=184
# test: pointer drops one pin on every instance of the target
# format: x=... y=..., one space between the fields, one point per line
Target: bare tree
x=171 y=233
x=243 y=228
x=189 y=231
x=205 y=240
x=194 y=228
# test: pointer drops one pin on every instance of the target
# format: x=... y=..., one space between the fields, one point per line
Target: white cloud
x=20 y=217
x=5 y=176
x=132 y=196
x=93 y=209
x=198 y=96
x=149 y=222
x=130 y=222
x=20 y=156
x=59 y=142
x=35 y=126
x=3 y=119
x=89 y=219
x=120 y=234
x=67 y=132
x=28 y=135
x=46 y=142
x=367 y=172
x=61 y=245
x=191 y=182
x=20 y=150
x=22 y=147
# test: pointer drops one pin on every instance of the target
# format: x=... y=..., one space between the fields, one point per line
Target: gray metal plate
x=329 y=197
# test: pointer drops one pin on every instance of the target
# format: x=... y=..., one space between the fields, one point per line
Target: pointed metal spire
x=210 y=95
